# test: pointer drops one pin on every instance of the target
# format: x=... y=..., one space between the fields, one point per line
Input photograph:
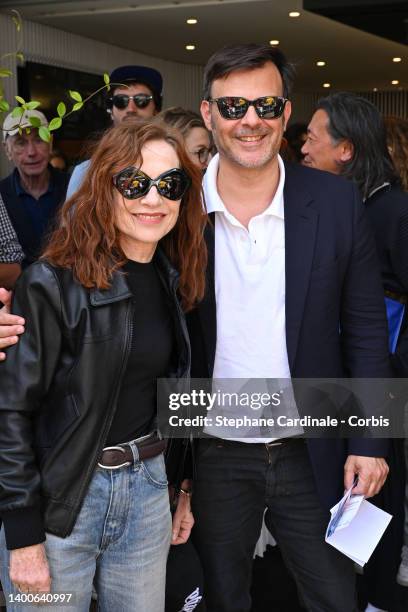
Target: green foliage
x=31 y=105
x=75 y=95
x=55 y=124
x=61 y=109
x=35 y=122
x=17 y=112
x=44 y=133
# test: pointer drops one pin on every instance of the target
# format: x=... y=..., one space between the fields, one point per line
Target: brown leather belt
x=115 y=457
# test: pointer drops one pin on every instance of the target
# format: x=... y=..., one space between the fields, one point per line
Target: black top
x=387 y=209
x=150 y=354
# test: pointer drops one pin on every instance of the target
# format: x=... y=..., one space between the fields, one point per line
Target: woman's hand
x=29 y=571
x=183 y=519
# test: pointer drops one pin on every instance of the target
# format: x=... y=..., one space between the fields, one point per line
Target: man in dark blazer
x=291 y=258
x=34 y=191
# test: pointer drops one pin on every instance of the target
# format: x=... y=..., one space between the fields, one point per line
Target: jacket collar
x=119 y=289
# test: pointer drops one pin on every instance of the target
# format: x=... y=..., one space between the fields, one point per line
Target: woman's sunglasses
x=133 y=183
x=234 y=107
x=121 y=101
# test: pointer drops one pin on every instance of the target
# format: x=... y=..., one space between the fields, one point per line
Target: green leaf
x=4 y=105
x=5 y=73
x=106 y=78
x=20 y=56
x=35 y=122
x=55 y=124
x=17 y=23
x=77 y=106
x=17 y=112
x=32 y=105
x=19 y=99
x=44 y=133
x=61 y=109
x=75 y=95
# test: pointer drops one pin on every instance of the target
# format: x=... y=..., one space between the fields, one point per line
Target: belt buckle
x=114 y=467
x=274 y=443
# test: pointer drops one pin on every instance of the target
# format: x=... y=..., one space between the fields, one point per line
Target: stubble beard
x=243 y=161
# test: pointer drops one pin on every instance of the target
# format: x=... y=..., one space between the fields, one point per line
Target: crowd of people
x=223 y=245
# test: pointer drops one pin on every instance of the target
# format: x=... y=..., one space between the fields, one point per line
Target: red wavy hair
x=87 y=239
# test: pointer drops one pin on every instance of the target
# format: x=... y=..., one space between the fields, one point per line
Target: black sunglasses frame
x=125 y=192
x=141 y=100
x=275 y=113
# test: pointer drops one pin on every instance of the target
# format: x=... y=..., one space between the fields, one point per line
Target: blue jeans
x=120 y=541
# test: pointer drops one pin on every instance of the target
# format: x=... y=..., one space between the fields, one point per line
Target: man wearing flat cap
x=135 y=91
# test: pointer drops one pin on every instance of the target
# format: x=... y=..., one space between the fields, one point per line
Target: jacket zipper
x=112 y=408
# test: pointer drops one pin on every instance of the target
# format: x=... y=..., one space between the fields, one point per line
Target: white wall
x=182 y=82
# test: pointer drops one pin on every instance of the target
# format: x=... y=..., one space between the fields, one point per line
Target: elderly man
x=34 y=191
x=135 y=91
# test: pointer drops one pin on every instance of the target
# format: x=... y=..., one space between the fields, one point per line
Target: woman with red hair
x=83 y=494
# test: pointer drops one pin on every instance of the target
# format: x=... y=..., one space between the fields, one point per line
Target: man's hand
x=10 y=325
x=29 y=571
x=371 y=471
x=183 y=519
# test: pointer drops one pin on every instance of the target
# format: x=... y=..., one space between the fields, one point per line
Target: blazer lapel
x=300 y=235
x=207 y=308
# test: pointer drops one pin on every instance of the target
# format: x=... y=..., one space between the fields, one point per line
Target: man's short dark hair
x=357 y=120
x=244 y=57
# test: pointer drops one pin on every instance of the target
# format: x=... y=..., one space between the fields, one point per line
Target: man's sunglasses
x=235 y=107
x=133 y=183
x=121 y=101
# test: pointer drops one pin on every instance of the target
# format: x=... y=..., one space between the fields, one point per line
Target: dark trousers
x=235 y=483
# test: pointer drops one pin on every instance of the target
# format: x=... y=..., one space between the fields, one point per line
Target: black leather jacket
x=58 y=392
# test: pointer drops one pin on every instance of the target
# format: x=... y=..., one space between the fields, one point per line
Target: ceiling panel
x=354 y=59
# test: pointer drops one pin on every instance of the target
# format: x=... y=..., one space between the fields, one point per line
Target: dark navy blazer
x=332 y=279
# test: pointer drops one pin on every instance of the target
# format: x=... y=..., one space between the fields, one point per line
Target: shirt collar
x=214 y=202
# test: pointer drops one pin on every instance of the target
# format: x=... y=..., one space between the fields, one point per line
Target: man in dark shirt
x=34 y=191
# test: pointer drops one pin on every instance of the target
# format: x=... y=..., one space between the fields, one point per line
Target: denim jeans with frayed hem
x=120 y=542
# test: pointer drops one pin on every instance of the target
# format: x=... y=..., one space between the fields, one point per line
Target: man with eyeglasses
x=290 y=258
x=135 y=91
x=34 y=191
